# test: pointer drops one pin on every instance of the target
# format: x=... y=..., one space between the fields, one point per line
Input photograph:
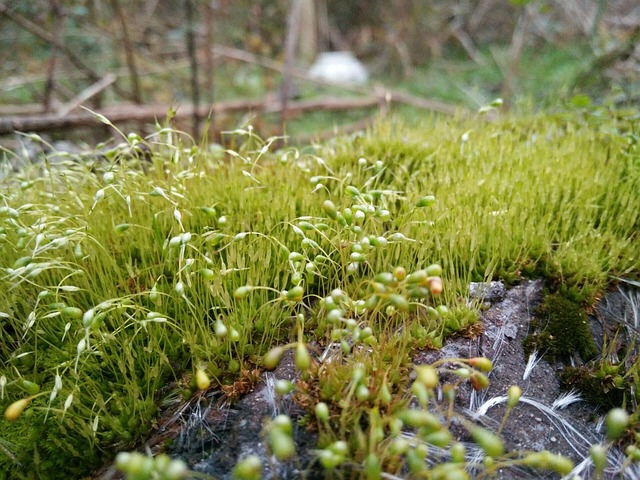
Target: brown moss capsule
x=434 y=284
x=479 y=381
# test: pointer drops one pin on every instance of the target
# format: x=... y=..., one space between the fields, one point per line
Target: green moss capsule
x=302 y=359
x=272 y=358
x=426 y=201
x=241 y=292
x=72 y=312
x=481 y=363
x=322 y=411
x=513 y=395
x=330 y=209
x=295 y=294
x=419 y=419
x=490 y=443
x=616 y=423
x=281 y=444
x=427 y=375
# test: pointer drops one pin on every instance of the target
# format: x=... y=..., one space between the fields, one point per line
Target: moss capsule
x=513 y=395
x=295 y=294
x=330 y=209
x=272 y=358
x=72 y=312
x=13 y=411
x=241 y=292
x=434 y=270
x=427 y=375
x=481 y=363
x=490 y=443
x=249 y=468
x=322 y=411
x=202 y=379
x=30 y=387
x=281 y=444
x=479 y=381
x=362 y=393
x=616 y=423
x=426 y=201
x=302 y=359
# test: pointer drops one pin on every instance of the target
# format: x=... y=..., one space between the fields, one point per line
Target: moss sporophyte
x=126 y=288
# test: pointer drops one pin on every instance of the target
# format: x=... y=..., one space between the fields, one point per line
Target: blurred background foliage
x=466 y=52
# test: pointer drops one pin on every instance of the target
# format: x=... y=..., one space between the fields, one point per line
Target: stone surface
x=211 y=435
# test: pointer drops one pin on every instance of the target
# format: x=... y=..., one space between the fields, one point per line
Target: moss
x=565 y=329
x=600 y=384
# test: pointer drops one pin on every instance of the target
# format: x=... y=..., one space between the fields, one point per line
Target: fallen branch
x=419 y=102
x=86 y=94
x=347 y=129
x=151 y=113
x=244 y=56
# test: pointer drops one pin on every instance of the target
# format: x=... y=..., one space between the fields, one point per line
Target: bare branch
x=47 y=37
x=86 y=94
x=193 y=60
x=136 y=93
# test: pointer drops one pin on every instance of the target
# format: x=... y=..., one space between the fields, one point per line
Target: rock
x=340 y=68
x=214 y=434
x=211 y=435
x=490 y=292
x=528 y=427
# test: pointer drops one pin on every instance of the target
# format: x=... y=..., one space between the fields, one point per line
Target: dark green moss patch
x=564 y=329
x=601 y=384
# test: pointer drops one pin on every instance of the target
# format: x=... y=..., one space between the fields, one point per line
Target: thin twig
x=49 y=86
x=130 y=58
x=291 y=39
x=86 y=94
x=47 y=37
x=193 y=61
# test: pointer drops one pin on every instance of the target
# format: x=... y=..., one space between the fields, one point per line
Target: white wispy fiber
x=577 y=440
x=531 y=363
x=581 y=470
x=486 y=406
x=330 y=350
x=566 y=399
x=270 y=394
x=633 y=302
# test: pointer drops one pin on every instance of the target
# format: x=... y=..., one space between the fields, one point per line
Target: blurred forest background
x=133 y=59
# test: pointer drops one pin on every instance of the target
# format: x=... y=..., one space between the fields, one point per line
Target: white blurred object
x=339 y=67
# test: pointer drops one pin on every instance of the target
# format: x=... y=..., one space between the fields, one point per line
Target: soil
x=211 y=434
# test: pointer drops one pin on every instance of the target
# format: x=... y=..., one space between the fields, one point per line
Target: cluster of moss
x=562 y=329
x=601 y=384
x=205 y=262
